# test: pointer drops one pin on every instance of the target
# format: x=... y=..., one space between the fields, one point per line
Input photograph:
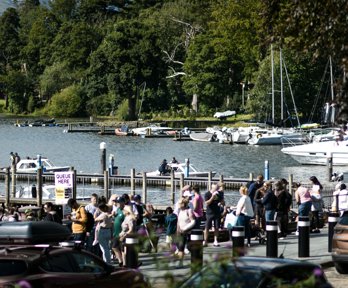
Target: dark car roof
x=267 y=264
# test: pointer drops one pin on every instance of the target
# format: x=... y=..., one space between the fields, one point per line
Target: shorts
x=213 y=218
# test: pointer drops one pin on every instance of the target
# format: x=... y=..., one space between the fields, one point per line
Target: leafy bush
x=66 y=103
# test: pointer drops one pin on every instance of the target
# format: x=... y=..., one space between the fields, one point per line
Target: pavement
x=162 y=270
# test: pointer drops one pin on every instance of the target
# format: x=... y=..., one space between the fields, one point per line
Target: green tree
x=128 y=58
x=318 y=26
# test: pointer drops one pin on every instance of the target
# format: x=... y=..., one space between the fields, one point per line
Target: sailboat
x=277 y=136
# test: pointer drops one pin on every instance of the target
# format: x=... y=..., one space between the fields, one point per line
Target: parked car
x=340 y=244
x=258 y=272
x=35 y=264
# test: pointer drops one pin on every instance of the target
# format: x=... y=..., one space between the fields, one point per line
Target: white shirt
x=244 y=206
x=342 y=200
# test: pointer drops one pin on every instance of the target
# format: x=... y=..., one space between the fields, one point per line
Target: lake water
x=81 y=150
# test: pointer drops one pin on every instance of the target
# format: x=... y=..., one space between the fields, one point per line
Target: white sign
x=64 y=182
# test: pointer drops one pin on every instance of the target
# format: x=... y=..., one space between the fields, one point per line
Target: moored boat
x=203 y=137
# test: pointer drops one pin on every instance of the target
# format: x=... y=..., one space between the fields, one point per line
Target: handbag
x=230 y=220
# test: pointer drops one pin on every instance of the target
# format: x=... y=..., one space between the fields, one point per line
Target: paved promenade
x=158 y=266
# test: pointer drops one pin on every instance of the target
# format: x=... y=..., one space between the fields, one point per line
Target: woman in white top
x=244 y=212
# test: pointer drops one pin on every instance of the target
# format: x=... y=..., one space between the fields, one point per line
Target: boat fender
x=259 y=135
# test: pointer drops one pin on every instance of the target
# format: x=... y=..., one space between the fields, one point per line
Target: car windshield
x=344 y=219
x=12 y=267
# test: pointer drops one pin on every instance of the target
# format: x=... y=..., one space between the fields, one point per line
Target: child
x=171 y=221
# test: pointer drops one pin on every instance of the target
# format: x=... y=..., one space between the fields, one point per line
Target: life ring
x=259 y=135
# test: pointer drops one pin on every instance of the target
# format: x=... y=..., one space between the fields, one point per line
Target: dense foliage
x=133 y=58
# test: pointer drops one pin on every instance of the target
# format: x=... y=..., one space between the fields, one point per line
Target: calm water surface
x=81 y=150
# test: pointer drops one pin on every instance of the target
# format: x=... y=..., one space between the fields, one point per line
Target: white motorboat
x=150 y=130
x=31 y=165
x=48 y=192
x=243 y=134
x=179 y=168
x=222 y=135
x=203 y=136
x=275 y=137
x=316 y=153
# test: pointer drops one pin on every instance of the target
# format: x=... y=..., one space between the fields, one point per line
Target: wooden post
x=39 y=187
x=102 y=147
x=182 y=184
x=106 y=184
x=13 y=179
x=329 y=163
x=132 y=181
x=172 y=186
x=7 y=187
x=291 y=181
x=144 y=196
x=210 y=177
x=251 y=177
x=74 y=183
x=221 y=179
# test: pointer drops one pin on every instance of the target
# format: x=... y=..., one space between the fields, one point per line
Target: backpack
x=90 y=222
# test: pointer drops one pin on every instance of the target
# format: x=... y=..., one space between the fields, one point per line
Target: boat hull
x=318 y=153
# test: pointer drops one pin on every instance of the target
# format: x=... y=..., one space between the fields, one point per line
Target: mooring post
x=187 y=167
x=106 y=184
x=7 y=187
x=132 y=181
x=291 y=181
x=102 y=147
x=251 y=176
x=182 y=183
x=144 y=187
x=74 y=189
x=329 y=160
x=210 y=179
x=13 y=179
x=172 y=186
x=266 y=170
x=39 y=187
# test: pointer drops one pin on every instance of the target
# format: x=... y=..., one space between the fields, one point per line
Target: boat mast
x=281 y=87
x=272 y=61
x=331 y=81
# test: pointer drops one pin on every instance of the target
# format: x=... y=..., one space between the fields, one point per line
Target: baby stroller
x=257 y=232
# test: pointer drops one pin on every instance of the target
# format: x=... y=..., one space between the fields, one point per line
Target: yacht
x=316 y=153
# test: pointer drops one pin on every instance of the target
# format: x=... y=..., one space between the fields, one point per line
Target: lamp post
x=102 y=147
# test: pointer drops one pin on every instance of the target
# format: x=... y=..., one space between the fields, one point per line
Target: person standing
x=341 y=198
x=259 y=210
x=78 y=218
x=118 y=219
x=270 y=202
x=254 y=187
x=51 y=214
x=244 y=212
x=317 y=203
x=104 y=234
x=197 y=203
x=170 y=223
x=186 y=222
x=90 y=231
x=213 y=214
x=128 y=228
x=282 y=208
x=303 y=200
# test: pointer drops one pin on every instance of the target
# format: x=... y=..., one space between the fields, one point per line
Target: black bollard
x=238 y=241
x=272 y=239
x=196 y=249
x=303 y=236
x=333 y=219
x=131 y=250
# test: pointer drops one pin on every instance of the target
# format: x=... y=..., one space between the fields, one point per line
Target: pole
x=238 y=241
x=272 y=239
x=144 y=187
x=7 y=187
x=187 y=167
x=13 y=179
x=329 y=160
x=102 y=147
x=132 y=181
x=266 y=170
x=333 y=219
x=196 y=245
x=39 y=187
x=303 y=236
x=172 y=187
x=106 y=184
x=131 y=251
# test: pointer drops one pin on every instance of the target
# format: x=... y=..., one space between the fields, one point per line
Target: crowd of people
x=103 y=225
